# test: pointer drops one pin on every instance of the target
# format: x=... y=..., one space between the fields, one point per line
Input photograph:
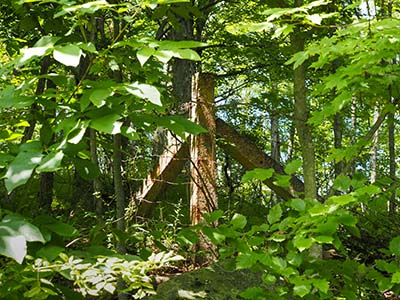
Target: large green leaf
x=108 y=124
x=238 y=221
x=258 y=173
x=274 y=214
x=12 y=245
x=69 y=55
x=21 y=168
x=145 y=91
x=98 y=96
x=41 y=48
x=51 y=163
x=22 y=227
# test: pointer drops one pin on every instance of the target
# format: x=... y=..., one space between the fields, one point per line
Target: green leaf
x=302 y=243
x=144 y=54
x=324 y=239
x=98 y=96
x=56 y=226
x=321 y=284
x=274 y=214
x=180 y=125
x=238 y=221
x=49 y=252
x=41 y=48
x=342 y=183
x=69 y=55
x=394 y=246
x=213 y=216
x=301 y=289
x=293 y=166
x=86 y=169
x=51 y=163
x=396 y=277
x=145 y=91
x=341 y=200
x=246 y=260
x=259 y=174
x=21 y=168
x=282 y=180
x=298 y=204
x=108 y=124
x=12 y=245
x=18 y=224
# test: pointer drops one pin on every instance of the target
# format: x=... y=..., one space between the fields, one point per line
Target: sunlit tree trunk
x=301 y=117
x=202 y=152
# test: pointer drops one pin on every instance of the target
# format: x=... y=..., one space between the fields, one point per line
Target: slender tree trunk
x=275 y=145
x=275 y=138
x=301 y=117
x=338 y=134
x=290 y=149
x=119 y=190
x=375 y=141
x=97 y=199
x=392 y=157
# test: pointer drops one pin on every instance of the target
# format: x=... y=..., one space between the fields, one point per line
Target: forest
x=199 y=149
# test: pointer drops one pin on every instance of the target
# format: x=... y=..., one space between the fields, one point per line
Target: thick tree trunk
x=203 y=197
x=249 y=156
x=301 y=116
x=204 y=175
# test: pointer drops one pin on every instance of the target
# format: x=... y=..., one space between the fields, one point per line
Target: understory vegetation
x=144 y=139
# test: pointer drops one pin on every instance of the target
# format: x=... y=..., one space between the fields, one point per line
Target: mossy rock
x=212 y=283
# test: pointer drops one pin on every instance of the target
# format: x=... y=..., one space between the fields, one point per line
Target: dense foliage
x=88 y=90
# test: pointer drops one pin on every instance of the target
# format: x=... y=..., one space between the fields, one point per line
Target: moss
x=213 y=282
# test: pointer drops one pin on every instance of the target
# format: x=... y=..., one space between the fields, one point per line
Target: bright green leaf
x=145 y=91
x=274 y=214
x=69 y=55
x=394 y=246
x=21 y=168
x=293 y=166
x=259 y=174
x=298 y=204
x=144 y=54
x=12 y=245
x=51 y=163
x=108 y=124
x=238 y=221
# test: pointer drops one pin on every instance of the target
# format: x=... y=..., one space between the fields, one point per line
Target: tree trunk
x=392 y=157
x=249 y=156
x=374 y=154
x=97 y=198
x=301 y=117
x=203 y=165
x=338 y=134
x=204 y=175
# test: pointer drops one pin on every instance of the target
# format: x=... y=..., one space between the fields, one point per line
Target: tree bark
x=204 y=173
x=374 y=154
x=97 y=198
x=301 y=116
x=249 y=156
